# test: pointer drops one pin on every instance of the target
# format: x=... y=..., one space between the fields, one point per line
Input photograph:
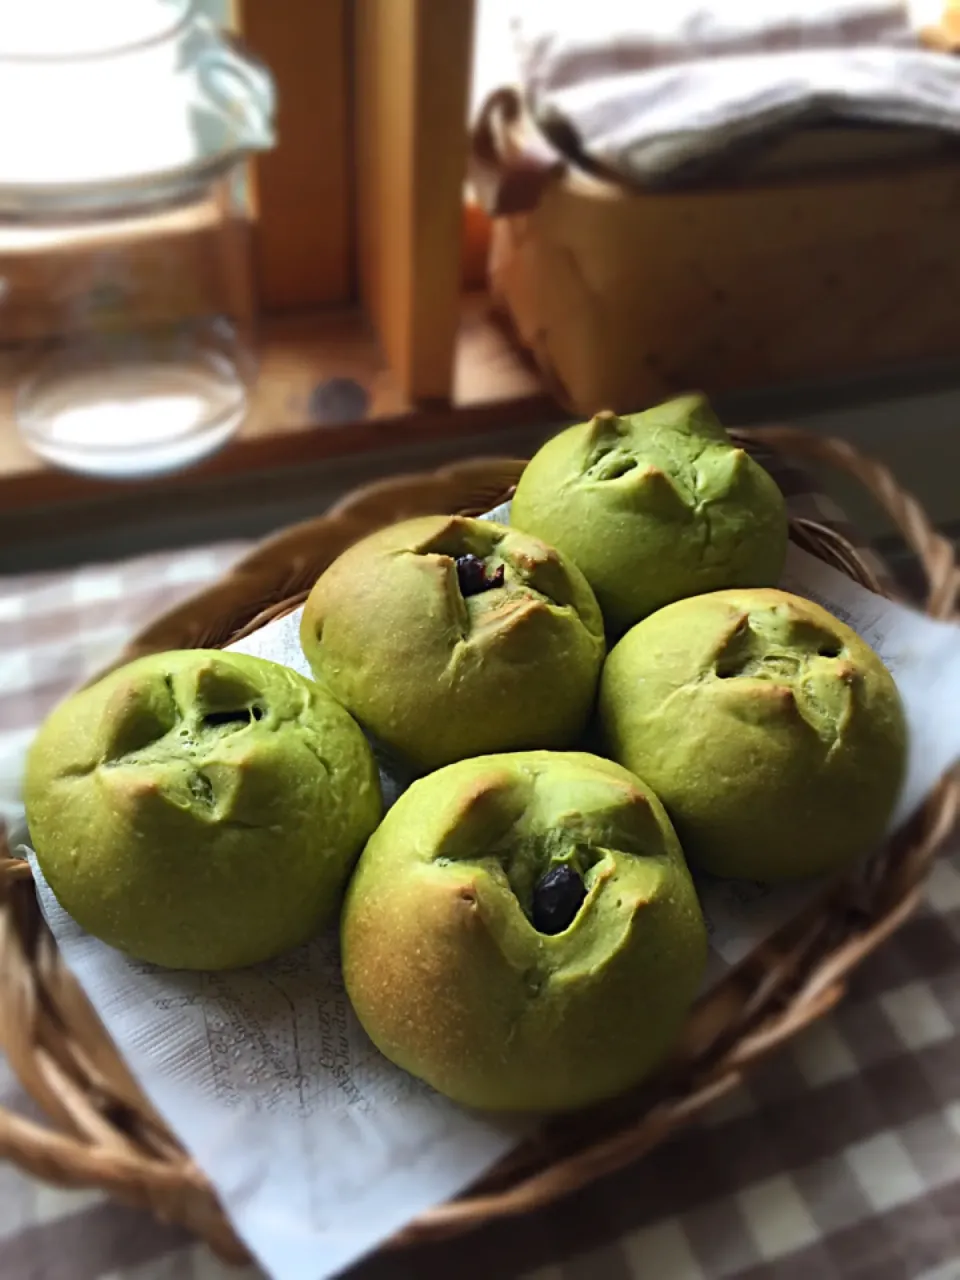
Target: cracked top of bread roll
x=772 y=732
x=200 y=809
x=653 y=507
x=522 y=931
x=449 y=637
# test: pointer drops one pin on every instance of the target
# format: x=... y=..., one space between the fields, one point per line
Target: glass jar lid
x=114 y=105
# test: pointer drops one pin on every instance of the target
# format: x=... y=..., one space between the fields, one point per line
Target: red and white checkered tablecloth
x=840 y=1159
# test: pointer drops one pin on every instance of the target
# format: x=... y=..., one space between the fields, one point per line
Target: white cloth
x=650 y=89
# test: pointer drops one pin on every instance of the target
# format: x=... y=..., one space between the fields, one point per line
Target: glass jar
x=126 y=304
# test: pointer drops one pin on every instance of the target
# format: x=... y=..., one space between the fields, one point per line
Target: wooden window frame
x=303 y=208
x=381 y=220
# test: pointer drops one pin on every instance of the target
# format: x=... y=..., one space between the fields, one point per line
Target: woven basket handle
x=510 y=163
x=935 y=553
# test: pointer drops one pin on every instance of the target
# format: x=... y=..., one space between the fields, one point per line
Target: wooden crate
x=624 y=298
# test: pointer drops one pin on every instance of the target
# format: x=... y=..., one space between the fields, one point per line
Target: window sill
x=494 y=389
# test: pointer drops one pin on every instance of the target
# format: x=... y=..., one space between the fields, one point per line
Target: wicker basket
x=626 y=296
x=103 y=1133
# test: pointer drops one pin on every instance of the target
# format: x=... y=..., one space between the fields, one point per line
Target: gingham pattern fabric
x=840 y=1159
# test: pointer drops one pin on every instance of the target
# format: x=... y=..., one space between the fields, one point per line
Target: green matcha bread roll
x=654 y=507
x=449 y=637
x=199 y=809
x=522 y=932
x=772 y=733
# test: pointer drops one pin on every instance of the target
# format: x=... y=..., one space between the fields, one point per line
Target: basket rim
x=799 y=975
x=350 y=510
